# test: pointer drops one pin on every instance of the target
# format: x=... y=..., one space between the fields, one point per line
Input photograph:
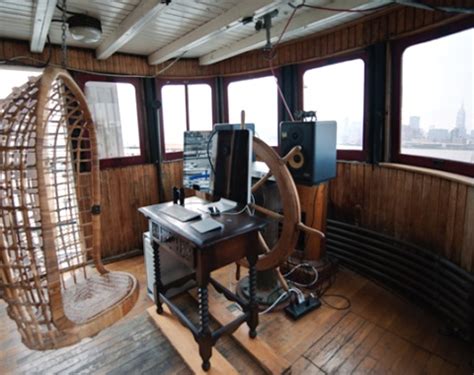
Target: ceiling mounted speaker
x=85 y=28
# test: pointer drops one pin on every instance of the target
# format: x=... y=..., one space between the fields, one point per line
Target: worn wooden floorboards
x=381 y=333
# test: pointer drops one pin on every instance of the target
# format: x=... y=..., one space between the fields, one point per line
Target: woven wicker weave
x=49 y=186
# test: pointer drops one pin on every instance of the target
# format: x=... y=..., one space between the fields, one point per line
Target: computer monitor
x=225 y=126
x=196 y=166
x=233 y=158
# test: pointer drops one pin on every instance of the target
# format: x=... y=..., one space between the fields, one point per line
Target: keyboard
x=180 y=213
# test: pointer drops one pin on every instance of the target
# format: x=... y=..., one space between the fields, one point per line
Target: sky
x=438 y=79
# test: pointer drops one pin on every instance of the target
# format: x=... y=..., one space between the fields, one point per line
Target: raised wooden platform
x=182 y=340
x=380 y=333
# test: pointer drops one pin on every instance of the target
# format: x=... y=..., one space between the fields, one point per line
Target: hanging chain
x=63 y=36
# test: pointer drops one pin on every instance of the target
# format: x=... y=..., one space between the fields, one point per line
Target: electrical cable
x=272 y=55
x=320 y=7
x=345 y=307
x=298 y=292
x=316 y=275
x=68 y=11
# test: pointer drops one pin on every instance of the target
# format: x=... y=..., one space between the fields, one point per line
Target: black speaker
x=316 y=162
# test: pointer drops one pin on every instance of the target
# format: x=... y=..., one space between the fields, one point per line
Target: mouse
x=214 y=211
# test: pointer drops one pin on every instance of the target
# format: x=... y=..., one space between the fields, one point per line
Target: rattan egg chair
x=50 y=217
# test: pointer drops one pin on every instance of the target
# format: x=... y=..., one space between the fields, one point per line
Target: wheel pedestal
x=268 y=289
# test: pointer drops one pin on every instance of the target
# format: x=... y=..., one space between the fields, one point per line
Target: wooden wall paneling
x=425 y=212
x=400 y=204
x=407 y=210
x=450 y=222
x=432 y=209
x=123 y=191
x=400 y=21
x=172 y=175
x=459 y=220
x=360 y=202
x=467 y=257
x=409 y=18
x=367 y=183
x=415 y=219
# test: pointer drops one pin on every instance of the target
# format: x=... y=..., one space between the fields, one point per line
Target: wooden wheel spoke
x=262 y=181
x=263 y=243
x=291 y=153
x=267 y=212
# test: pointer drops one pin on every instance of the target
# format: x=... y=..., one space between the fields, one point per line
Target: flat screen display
x=232 y=165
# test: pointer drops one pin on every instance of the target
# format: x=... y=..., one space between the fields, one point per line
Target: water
x=466 y=156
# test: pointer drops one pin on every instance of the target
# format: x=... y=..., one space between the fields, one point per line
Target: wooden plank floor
x=381 y=333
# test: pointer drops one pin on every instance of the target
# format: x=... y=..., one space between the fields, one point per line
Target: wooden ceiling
x=210 y=30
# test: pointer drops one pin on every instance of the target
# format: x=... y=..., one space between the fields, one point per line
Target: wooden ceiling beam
x=213 y=28
x=310 y=19
x=130 y=27
x=44 y=11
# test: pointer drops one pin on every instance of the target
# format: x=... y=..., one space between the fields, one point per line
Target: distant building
x=414 y=122
x=460 y=128
x=439 y=135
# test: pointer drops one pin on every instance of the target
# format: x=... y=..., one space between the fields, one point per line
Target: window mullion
x=186 y=104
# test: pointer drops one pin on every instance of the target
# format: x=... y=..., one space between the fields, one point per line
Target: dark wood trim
x=83 y=78
x=398 y=47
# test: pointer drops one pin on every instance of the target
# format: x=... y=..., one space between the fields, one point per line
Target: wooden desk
x=206 y=253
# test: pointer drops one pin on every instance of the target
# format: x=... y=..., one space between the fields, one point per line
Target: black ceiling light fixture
x=84 y=28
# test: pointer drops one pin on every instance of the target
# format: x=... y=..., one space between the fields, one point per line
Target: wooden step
x=183 y=341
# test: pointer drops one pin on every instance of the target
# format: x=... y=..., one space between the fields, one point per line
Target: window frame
x=159 y=83
x=243 y=77
x=122 y=161
x=358 y=155
x=398 y=47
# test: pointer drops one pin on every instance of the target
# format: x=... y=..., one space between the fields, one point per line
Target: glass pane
x=174 y=116
x=200 y=107
x=336 y=92
x=437 y=98
x=15 y=77
x=114 y=110
x=258 y=97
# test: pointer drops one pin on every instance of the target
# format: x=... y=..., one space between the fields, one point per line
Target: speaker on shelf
x=316 y=162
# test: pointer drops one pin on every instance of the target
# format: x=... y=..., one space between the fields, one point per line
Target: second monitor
x=233 y=159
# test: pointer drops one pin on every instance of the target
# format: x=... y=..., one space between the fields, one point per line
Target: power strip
x=297 y=310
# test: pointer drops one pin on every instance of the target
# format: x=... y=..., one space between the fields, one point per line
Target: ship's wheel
x=271 y=257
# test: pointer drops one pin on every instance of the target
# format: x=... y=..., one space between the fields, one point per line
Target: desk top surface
x=234 y=225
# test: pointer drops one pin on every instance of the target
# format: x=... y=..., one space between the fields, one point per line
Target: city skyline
x=437 y=80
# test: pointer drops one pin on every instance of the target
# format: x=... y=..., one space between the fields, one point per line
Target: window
x=258 y=97
x=437 y=98
x=15 y=77
x=114 y=109
x=115 y=105
x=185 y=106
x=336 y=92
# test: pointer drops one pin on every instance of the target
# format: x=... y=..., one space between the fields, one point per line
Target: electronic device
x=250 y=126
x=298 y=309
x=207 y=225
x=233 y=158
x=316 y=162
x=196 y=160
x=180 y=213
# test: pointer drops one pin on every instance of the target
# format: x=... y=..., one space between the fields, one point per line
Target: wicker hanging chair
x=50 y=217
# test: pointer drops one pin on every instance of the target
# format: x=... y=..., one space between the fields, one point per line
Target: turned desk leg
x=252 y=321
x=158 y=283
x=204 y=337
